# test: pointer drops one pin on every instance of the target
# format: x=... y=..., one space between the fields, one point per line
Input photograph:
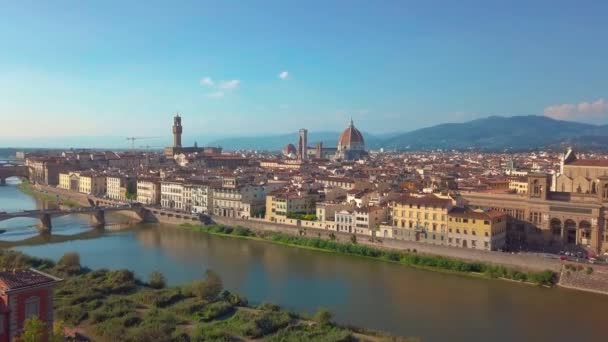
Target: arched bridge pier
x=10 y=170
x=98 y=215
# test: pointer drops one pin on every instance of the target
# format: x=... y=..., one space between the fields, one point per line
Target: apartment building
x=121 y=187
x=148 y=191
x=369 y=218
x=421 y=219
x=477 y=229
x=172 y=195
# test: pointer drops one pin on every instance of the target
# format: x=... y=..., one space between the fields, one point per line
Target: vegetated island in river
x=113 y=305
x=409 y=257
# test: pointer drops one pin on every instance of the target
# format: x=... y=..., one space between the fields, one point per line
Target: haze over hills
x=491 y=133
x=279 y=141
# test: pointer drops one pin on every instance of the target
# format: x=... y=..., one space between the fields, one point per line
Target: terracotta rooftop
x=481 y=215
x=21 y=278
x=590 y=162
x=425 y=200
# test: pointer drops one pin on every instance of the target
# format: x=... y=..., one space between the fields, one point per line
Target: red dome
x=351 y=138
x=290 y=149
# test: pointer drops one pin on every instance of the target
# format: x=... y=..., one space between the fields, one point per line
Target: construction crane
x=132 y=139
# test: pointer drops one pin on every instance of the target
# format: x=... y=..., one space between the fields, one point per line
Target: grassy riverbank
x=409 y=258
x=115 y=306
x=27 y=188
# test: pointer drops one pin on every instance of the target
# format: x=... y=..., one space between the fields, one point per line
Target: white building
x=148 y=191
x=172 y=195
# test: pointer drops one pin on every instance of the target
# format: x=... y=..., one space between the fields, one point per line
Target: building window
x=32 y=307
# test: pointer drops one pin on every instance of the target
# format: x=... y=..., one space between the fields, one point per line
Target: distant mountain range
x=493 y=133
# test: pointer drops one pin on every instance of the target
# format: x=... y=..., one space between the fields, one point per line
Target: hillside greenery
x=113 y=305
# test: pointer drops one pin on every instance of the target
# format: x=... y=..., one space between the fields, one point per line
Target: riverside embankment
x=360 y=291
x=522 y=263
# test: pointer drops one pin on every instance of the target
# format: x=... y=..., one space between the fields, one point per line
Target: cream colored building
x=92 y=183
x=519 y=187
x=172 y=195
x=282 y=205
x=113 y=188
x=148 y=191
x=326 y=211
x=368 y=219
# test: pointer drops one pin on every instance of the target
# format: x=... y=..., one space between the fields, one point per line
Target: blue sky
x=122 y=68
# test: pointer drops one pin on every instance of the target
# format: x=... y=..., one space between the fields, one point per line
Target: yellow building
x=283 y=205
x=148 y=191
x=422 y=219
x=477 y=229
x=69 y=181
x=64 y=181
x=519 y=186
x=92 y=184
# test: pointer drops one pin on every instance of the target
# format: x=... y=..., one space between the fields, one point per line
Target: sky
x=123 y=68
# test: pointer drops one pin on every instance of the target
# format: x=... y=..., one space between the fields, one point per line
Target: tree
x=323 y=317
x=353 y=239
x=70 y=263
x=58 y=332
x=157 y=280
x=33 y=330
x=210 y=288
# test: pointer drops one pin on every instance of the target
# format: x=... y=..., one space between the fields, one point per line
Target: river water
x=361 y=292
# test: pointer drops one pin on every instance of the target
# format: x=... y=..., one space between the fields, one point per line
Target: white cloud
x=207 y=81
x=220 y=88
x=284 y=75
x=583 y=111
x=229 y=85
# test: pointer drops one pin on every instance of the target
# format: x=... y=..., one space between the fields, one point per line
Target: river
x=361 y=292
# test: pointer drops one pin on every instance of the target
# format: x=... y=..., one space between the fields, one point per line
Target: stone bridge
x=98 y=214
x=13 y=170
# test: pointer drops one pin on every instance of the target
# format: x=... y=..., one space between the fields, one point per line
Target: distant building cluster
x=488 y=201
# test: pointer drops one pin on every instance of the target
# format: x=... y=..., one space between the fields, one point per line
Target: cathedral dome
x=290 y=149
x=351 y=139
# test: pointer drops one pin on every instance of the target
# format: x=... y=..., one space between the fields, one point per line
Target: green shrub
x=69 y=263
x=208 y=289
x=215 y=310
x=323 y=317
x=72 y=315
x=157 y=280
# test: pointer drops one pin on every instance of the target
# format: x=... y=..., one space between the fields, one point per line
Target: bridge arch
x=556 y=227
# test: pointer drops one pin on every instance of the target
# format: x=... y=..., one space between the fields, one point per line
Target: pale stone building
x=172 y=195
x=148 y=191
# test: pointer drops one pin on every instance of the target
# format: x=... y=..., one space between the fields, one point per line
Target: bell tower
x=538 y=185
x=177 y=131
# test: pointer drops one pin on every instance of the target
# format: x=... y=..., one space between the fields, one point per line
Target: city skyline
x=73 y=68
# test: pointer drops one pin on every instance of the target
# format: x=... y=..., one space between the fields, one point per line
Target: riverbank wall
x=518 y=261
x=526 y=262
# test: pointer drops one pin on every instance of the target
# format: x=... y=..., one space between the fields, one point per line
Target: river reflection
x=363 y=292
